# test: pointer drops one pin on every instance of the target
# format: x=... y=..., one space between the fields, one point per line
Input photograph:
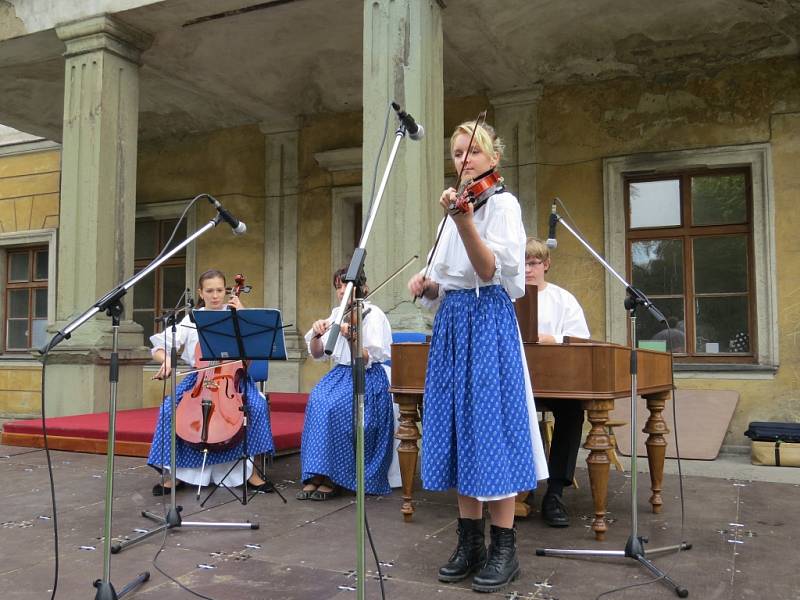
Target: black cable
x=52 y=481
x=23 y=453
x=374 y=553
x=378 y=159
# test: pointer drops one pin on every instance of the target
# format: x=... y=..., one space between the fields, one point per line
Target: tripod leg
x=681 y=591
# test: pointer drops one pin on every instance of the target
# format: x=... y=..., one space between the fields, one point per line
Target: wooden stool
x=612 y=452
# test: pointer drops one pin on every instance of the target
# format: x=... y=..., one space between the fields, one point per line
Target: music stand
x=241 y=334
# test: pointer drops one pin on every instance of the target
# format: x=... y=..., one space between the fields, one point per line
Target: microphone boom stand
x=111 y=304
x=355 y=274
x=634 y=548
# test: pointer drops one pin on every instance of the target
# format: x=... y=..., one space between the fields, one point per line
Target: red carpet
x=134 y=429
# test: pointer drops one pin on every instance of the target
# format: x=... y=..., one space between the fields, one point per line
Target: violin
x=477 y=191
x=210 y=416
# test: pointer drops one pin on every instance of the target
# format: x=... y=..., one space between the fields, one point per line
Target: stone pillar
x=97 y=213
x=515 y=118
x=280 y=247
x=403 y=63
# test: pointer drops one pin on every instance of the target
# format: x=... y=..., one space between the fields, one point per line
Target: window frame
x=687 y=232
x=758 y=158
x=29 y=284
x=28 y=239
x=164 y=211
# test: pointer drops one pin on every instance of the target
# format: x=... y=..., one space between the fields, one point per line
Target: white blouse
x=377 y=337
x=559 y=314
x=185 y=336
x=499 y=224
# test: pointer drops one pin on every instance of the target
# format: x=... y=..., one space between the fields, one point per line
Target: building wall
x=578 y=127
x=581 y=125
x=314 y=287
x=29 y=188
x=229 y=165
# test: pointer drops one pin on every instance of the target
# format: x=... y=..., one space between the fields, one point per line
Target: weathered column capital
x=104 y=32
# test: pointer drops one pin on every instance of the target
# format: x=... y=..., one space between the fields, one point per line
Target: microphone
x=238 y=226
x=415 y=130
x=551 y=241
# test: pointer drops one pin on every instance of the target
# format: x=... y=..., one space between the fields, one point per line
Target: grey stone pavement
x=741 y=520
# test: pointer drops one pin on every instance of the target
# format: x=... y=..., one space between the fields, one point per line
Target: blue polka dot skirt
x=328 y=444
x=259 y=433
x=476 y=432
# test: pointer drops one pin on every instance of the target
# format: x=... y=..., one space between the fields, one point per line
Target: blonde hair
x=485 y=138
x=536 y=248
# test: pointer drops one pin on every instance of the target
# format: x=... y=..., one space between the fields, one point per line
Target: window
x=165 y=286
x=689 y=239
x=663 y=170
x=26 y=298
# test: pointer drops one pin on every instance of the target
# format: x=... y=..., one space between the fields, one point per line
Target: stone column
x=97 y=213
x=515 y=118
x=403 y=63
x=280 y=247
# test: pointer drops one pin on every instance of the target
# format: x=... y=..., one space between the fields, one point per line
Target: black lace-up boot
x=502 y=566
x=469 y=555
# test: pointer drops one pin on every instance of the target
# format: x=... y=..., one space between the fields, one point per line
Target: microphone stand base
x=634 y=548
x=105 y=591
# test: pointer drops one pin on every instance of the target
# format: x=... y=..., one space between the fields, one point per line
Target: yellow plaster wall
x=229 y=165
x=29 y=188
x=579 y=126
x=29 y=199
x=318 y=134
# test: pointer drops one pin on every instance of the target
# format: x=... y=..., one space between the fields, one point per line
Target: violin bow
x=480 y=120
x=383 y=283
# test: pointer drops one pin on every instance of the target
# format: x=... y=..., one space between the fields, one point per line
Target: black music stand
x=240 y=334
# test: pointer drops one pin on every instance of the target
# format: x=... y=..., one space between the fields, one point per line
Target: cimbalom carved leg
x=408 y=451
x=656 y=443
x=598 y=443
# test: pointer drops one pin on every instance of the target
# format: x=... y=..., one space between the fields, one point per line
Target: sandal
x=305 y=494
x=164 y=490
x=321 y=495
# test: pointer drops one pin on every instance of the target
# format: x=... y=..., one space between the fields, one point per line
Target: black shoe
x=163 y=490
x=470 y=553
x=554 y=511
x=502 y=566
x=265 y=488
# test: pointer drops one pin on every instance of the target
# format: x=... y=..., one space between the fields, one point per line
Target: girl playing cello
x=212 y=293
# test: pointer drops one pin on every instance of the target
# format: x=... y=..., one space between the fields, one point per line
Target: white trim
x=13 y=148
x=343 y=201
x=33 y=237
x=339 y=159
x=756 y=156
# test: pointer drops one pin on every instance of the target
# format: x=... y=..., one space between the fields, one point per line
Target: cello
x=210 y=416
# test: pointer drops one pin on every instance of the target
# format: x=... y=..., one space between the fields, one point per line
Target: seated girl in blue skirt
x=212 y=292
x=328 y=445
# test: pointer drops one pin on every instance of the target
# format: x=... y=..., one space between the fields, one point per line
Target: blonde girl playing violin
x=479 y=419
x=213 y=293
